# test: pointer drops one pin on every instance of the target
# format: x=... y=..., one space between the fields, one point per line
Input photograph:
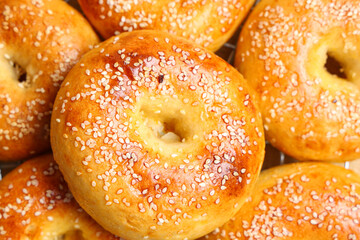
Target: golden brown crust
x=308 y=112
x=39 y=43
x=112 y=121
x=207 y=22
x=35 y=203
x=299 y=201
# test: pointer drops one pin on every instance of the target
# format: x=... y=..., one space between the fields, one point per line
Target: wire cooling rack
x=273 y=157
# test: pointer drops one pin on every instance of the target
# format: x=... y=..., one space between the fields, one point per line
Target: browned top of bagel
x=160 y=134
x=284 y=51
x=209 y=23
x=39 y=43
x=299 y=201
x=35 y=203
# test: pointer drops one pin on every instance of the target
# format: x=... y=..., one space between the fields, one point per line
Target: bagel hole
x=170 y=132
x=335 y=67
x=22 y=77
x=20 y=72
x=165 y=128
x=71 y=235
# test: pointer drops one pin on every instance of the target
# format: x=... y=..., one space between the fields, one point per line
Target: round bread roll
x=303 y=60
x=39 y=43
x=208 y=23
x=35 y=203
x=299 y=201
x=156 y=136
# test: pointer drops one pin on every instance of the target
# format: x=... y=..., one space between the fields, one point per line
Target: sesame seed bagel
x=35 y=204
x=303 y=60
x=302 y=201
x=209 y=23
x=39 y=43
x=156 y=136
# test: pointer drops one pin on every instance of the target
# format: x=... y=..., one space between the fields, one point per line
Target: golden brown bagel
x=209 y=23
x=35 y=204
x=308 y=112
x=302 y=201
x=156 y=136
x=39 y=43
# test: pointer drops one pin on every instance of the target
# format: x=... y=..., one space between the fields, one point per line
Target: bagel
x=39 y=43
x=35 y=203
x=303 y=60
x=299 y=201
x=155 y=136
x=208 y=23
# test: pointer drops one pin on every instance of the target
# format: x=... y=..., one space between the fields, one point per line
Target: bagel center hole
x=20 y=72
x=335 y=67
x=169 y=132
x=165 y=127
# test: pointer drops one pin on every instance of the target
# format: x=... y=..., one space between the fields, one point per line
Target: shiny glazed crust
x=308 y=112
x=39 y=43
x=209 y=23
x=35 y=204
x=302 y=201
x=156 y=136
